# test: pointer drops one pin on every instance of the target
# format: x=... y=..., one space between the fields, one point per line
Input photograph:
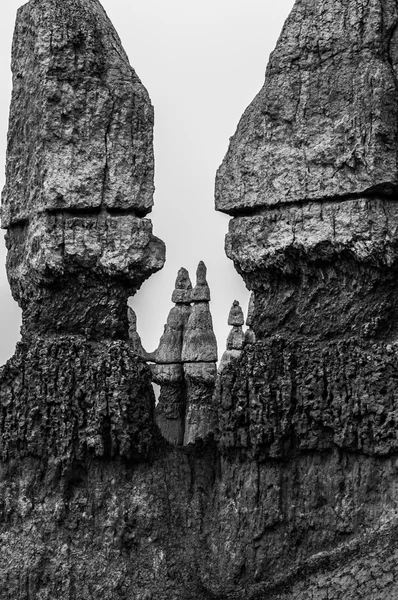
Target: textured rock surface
x=324 y=124
x=186 y=364
x=310 y=177
x=81 y=121
x=79 y=171
x=286 y=486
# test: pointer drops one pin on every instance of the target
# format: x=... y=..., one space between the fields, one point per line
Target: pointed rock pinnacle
x=183 y=288
x=201 y=291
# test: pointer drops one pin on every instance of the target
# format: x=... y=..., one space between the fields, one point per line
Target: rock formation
x=276 y=477
x=199 y=355
x=186 y=363
x=311 y=180
x=168 y=371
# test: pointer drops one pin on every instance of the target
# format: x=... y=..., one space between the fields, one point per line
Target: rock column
x=199 y=355
x=168 y=369
x=79 y=182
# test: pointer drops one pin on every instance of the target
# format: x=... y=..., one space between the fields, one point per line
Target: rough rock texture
x=79 y=158
x=81 y=121
x=275 y=477
x=186 y=364
x=310 y=177
x=324 y=124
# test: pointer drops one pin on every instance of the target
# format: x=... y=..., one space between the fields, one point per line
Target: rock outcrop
x=275 y=477
x=311 y=179
x=324 y=125
x=185 y=363
x=79 y=174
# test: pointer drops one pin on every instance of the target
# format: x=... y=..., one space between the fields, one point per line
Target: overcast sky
x=202 y=64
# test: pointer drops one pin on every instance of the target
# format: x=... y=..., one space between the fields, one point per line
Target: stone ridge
x=325 y=122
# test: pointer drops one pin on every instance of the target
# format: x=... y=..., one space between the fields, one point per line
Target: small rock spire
x=168 y=371
x=250 y=336
x=185 y=365
x=236 y=338
x=183 y=288
x=200 y=344
x=201 y=292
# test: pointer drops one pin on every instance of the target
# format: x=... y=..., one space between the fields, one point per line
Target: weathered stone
x=200 y=344
x=227 y=358
x=81 y=122
x=250 y=336
x=310 y=178
x=286 y=486
x=167 y=373
x=236 y=318
x=170 y=409
x=201 y=413
x=250 y=311
x=183 y=288
x=171 y=342
x=202 y=372
x=324 y=124
x=201 y=291
x=236 y=339
x=79 y=173
x=134 y=337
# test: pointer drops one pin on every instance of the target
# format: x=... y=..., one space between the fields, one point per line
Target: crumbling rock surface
x=310 y=178
x=275 y=476
x=185 y=364
x=79 y=173
x=324 y=124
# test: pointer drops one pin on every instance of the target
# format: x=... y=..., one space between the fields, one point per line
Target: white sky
x=202 y=64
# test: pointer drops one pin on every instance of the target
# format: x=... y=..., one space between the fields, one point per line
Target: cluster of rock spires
x=275 y=475
x=185 y=362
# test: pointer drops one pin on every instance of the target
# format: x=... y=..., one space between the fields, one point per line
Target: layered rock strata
x=310 y=177
x=79 y=174
x=286 y=484
x=168 y=370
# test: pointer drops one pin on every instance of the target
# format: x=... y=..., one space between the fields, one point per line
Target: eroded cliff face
x=275 y=478
x=310 y=178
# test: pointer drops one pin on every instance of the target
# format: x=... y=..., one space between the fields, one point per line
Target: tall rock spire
x=311 y=179
x=199 y=355
x=79 y=181
x=168 y=369
x=79 y=174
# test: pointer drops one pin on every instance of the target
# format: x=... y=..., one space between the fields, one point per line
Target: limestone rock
x=236 y=339
x=250 y=311
x=236 y=318
x=201 y=291
x=324 y=125
x=201 y=415
x=167 y=373
x=183 y=288
x=81 y=122
x=171 y=343
x=250 y=336
x=134 y=336
x=200 y=344
x=311 y=177
x=79 y=173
